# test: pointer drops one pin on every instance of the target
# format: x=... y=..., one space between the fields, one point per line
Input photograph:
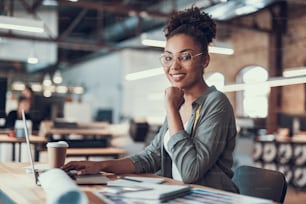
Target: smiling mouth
x=177 y=76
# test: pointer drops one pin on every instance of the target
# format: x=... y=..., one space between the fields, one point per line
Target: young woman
x=23 y=104
x=196 y=142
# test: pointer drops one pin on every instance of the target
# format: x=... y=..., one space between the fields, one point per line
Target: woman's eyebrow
x=184 y=50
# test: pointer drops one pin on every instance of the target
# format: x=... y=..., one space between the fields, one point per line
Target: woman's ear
x=206 y=61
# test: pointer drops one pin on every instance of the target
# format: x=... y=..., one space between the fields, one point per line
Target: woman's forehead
x=181 y=42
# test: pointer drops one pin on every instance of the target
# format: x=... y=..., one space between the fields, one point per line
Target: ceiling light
x=143 y=14
x=47 y=93
x=220 y=50
x=62 y=89
x=49 y=3
x=18 y=86
x=47 y=80
x=78 y=90
x=272 y=82
x=32 y=60
x=57 y=77
x=36 y=87
x=144 y=74
x=212 y=49
x=299 y=71
x=280 y=81
x=21 y=24
x=245 y=10
x=153 y=43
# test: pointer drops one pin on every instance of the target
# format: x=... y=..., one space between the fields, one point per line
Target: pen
x=129 y=179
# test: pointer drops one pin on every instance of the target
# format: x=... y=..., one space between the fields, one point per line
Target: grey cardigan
x=204 y=155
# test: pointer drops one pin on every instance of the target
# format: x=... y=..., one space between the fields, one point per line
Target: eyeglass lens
x=184 y=58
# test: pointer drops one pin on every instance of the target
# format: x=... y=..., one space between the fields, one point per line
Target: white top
x=175 y=172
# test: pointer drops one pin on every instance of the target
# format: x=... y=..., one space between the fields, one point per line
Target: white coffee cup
x=57 y=153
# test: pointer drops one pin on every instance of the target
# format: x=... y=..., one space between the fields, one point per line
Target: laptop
x=26 y=133
x=94 y=179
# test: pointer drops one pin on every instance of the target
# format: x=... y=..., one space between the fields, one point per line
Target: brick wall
x=251 y=48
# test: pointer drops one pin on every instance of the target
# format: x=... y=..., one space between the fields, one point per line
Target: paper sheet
x=161 y=192
x=60 y=188
x=130 y=180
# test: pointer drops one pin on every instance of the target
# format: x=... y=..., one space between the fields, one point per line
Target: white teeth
x=177 y=75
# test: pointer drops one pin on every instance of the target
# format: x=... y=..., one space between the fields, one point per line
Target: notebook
x=82 y=180
x=150 y=192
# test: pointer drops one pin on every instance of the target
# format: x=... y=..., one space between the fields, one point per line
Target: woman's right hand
x=174 y=97
x=83 y=167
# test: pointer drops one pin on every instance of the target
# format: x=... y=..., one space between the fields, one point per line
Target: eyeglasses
x=184 y=58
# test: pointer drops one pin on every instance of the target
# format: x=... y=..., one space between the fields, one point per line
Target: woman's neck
x=192 y=94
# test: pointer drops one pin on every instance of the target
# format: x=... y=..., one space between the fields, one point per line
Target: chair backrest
x=262 y=183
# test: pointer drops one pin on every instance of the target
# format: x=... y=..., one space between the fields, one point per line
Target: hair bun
x=193 y=22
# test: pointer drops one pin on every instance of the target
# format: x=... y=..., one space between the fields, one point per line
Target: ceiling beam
x=85 y=46
x=74 y=23
x=36 y=5
x=114 y=8
x=29 y=9
x=69 y=45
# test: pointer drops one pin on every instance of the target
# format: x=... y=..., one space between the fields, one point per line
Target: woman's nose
x=176 y=64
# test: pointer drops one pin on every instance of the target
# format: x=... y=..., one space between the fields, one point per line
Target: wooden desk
x=87 y=152
x=80 y=131
x=35 y=140
x=25 y=191
x=83 y=129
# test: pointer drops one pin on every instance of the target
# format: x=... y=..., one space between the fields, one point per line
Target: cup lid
x=58 y=144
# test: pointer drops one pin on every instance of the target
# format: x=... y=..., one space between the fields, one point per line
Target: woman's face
x=184 y=61
x=25 y=105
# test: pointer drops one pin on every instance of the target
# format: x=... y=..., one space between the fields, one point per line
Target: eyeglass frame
x=178 y=58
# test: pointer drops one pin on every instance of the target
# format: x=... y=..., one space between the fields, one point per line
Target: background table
x=35 y=140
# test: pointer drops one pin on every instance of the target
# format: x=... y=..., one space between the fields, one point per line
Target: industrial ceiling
x=91 y=28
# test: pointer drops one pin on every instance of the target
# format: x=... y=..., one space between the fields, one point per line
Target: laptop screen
x=26 y=133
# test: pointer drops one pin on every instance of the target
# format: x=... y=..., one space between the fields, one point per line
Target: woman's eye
x=168 y=58
x=185 y=57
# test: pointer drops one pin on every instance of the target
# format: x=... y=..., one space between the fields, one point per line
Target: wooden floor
x=295 y=196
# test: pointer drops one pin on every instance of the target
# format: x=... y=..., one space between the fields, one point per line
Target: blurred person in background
x=38 y=110
x=23 y=104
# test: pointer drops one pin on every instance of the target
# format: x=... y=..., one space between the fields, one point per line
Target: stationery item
x=143 y=179
x=159 y=192
x=60 y=188
x=89 y=179
x=209 y=196
x=119 y=190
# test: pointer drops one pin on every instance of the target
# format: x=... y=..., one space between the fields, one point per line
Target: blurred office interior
x=92 y=62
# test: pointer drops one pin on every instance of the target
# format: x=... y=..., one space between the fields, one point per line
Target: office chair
x=262 y=183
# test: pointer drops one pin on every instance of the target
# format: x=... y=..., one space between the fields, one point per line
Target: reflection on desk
x=25 y=191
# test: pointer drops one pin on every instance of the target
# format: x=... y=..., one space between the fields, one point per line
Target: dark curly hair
x=199 y=25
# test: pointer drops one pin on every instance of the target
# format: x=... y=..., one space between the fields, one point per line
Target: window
x=253 y=101
x=216 y=79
